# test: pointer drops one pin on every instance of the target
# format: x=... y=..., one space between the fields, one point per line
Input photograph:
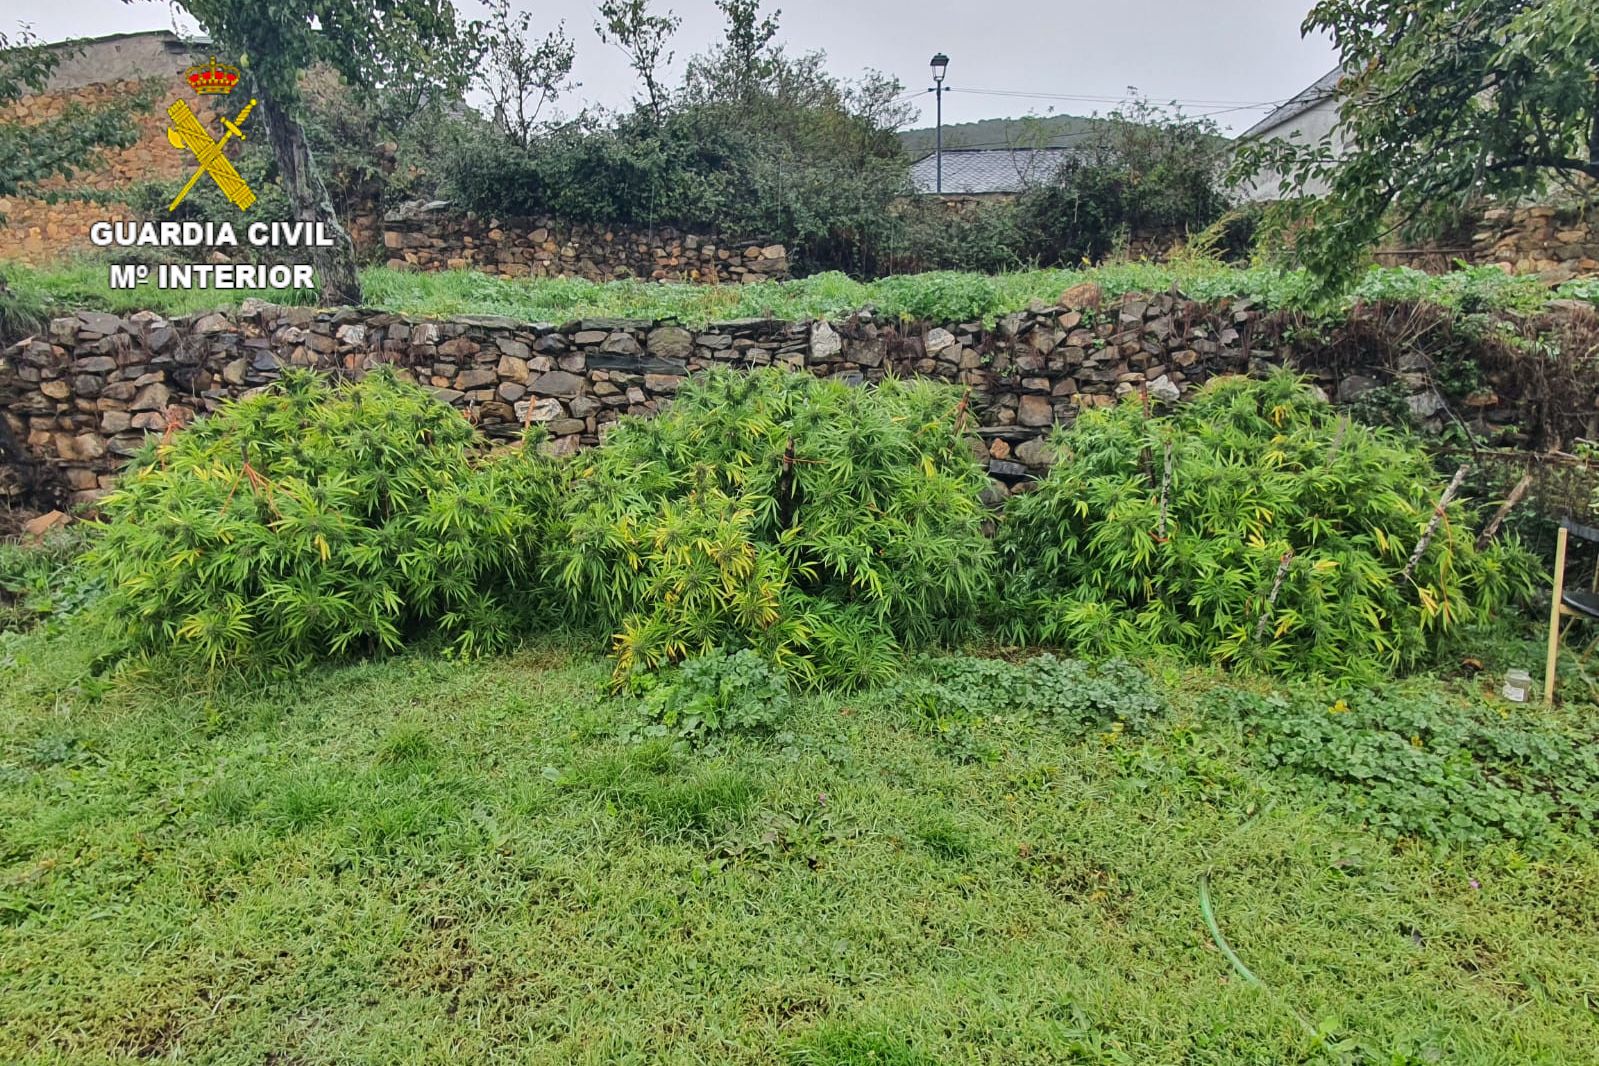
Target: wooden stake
x=1165 y=488
x=1432 y=525
x=1554 y=615
x=1505 y=508
x=1271 y=601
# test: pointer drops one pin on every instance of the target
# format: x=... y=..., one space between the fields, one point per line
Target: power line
x=1088 y=98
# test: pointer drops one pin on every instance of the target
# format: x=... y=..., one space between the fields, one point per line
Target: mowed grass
x=421 y=861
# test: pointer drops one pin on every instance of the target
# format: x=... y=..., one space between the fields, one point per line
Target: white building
x=1307 y=118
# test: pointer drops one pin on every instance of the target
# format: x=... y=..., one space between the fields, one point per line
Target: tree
x=373 y=44
x=518 y=77
x=746 y=57
x=1142 y=170
x=32 y=154
x=1443 y=101
x=642 y=37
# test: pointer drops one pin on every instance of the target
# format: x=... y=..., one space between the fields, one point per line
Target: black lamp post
x=940 y=64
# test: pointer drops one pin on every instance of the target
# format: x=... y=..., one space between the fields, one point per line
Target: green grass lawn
x=424 y=861
x=944 y=297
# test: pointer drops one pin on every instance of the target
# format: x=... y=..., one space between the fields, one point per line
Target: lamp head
x=940 y=63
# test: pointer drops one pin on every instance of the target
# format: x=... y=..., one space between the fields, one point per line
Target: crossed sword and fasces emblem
x=186 y=132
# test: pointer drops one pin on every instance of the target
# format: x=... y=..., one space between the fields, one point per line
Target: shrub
x=1412 y=763
x=1141 y=171
x=721 y=693
x=40 y=582
x=1276 y=536
x=312 y=519
x=824 y=526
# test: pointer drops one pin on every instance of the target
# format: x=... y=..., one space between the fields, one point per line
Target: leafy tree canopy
x=1443 y=101
x=373 y=44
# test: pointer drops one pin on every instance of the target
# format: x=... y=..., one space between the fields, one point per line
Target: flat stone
x=938 y=340
x=1424 y=404
x=512 y=368
x=621 y=344
x=825 y=342
x=153 y=397
x=1165 y=390
x=1349 y=389
x=539 y=410
x=101 y=322
x=1035 y=411
x=1035 y=452
x=670 y=342
x=488 y=321
x=475 y=379
x=558 y=383
x=36 y=528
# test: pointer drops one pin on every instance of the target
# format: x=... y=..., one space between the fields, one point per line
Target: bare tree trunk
x=309 y=200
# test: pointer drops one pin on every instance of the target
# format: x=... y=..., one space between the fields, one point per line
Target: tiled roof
x=988 y=170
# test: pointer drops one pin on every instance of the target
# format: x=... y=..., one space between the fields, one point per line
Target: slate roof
x=988 y=170
x=1324 y=88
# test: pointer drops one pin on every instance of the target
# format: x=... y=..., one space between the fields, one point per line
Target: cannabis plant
x=824 y=526
x=312 y=520
x=1254 y=527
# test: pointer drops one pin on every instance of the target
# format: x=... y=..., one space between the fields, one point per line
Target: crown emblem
x=215 y=78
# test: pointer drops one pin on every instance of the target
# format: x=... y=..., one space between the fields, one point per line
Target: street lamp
x=940 y=63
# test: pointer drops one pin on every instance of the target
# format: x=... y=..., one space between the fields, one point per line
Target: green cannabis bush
x=1255 y=527
x=1414 y=763
x=313 y=519
x=824 y=526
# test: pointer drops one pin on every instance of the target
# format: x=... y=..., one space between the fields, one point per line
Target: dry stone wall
x=1556 y=241
x=82 y=397
x=434 y=237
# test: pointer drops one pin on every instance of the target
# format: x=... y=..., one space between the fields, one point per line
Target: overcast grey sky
x=1231 y=58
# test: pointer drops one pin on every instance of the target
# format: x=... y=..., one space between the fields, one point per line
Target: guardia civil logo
x=187 y=133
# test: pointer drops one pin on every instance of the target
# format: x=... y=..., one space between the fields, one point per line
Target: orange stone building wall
x=38 y=231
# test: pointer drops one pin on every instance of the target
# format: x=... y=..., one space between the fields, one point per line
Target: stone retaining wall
x=435 y=237
x=1555 y=241
x=83 y=396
